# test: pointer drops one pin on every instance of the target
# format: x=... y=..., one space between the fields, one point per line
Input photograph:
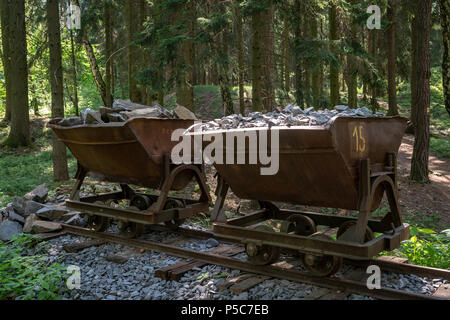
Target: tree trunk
x=74 y=72
x=392 y=58
x=257 y=61
x=315 y=70
x=419 y=162
x=224 y=83
x=108 y=55
x=157 y=17
x=352 y=84
x=101 y=86
x=269 y=52
x=306 y=34
x=19 y=134
x=445 y=26
x=93 y=62
x=263 y=58
x=286 y=79
x=184 y=60
x=131 y=15
x=240 y=53
x=224 y=77
x=371 y=51
x=59 y=157
x=413 y=80
x=6 y=56
x=299 y=95
x=334 y=72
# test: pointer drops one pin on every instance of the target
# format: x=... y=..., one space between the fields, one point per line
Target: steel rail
x=272 y=271
x=403 y=268
x=383 y=264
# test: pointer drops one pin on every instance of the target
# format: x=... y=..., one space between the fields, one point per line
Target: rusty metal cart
x=348 y=165
x=136 y=152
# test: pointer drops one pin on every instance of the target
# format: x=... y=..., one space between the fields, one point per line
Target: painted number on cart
x=360 y=140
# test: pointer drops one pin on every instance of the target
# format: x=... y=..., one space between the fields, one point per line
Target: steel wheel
x=299 y=225
x=141 y=201
x=98 y=223
x=262 y=254
x=320 y=264
x=130 y=229
x=352 y=225
x=173 y=204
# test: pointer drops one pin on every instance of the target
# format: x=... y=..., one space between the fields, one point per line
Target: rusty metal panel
x=319 y=166
x=129 y=152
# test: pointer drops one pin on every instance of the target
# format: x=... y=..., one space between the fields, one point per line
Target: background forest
x=216 y=57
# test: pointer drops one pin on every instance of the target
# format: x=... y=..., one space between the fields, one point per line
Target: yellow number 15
x=360 y=140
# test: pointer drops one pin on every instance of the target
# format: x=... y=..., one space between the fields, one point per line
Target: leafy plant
x=221 y=275
x=27 y=277
x=203 y=276
x=427 y=248
x=201 y=220
x=431 y=221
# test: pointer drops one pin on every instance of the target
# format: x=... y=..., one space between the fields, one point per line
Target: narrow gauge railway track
x=338 y=283
x=383 y=264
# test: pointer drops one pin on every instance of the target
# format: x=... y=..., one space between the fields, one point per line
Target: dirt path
x=428 y=198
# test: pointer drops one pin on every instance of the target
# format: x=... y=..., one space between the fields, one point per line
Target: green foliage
x=21 y=173
x=427 y=248
x=431 y=221
x=440 y=147
x=200 y=220
x=221 y=275
x=203 y=276
x=439 y=118
x=24 y=276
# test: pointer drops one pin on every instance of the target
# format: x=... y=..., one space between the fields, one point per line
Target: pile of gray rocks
x=289 y=116
x=134 y=277
x=122 y=111
x=34 y=214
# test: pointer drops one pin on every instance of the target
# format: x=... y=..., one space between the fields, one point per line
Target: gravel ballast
x=135 y=279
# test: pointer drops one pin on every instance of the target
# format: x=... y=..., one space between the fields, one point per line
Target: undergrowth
x=28 y=277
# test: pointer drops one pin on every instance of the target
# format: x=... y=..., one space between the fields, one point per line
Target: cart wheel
x=262 y=254
x=299 y=224
x=173 y=204
x=352 y=225
x=141 y=201
x=98 y=223
x=130 y=230
x=320 y=264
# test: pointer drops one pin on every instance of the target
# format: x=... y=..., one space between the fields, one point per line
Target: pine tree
x=445 y=25
x=352 y=68
x=59 y=156
x=19 y=134
x=419 y=162
x=392 y=58
x=334 y=72
x=92 y=60
x=237 y=14
x=6 y=56
x=108 y=53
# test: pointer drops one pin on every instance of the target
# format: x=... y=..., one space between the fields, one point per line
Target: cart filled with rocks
x=130 y=144
x=342 y=158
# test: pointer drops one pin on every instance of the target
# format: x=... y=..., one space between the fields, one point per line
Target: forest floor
x=425 y=198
